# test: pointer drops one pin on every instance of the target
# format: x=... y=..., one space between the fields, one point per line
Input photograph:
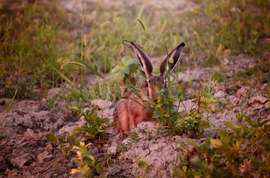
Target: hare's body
x=127 y=112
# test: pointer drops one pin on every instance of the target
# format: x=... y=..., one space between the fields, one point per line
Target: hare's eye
x=146 y=83
x=165 y=84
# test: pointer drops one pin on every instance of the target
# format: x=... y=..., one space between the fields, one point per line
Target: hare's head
x=146 y=64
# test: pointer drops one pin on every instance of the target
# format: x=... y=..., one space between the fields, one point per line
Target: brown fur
x=127 y=112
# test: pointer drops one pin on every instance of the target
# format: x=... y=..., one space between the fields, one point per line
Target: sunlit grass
x=34 y=38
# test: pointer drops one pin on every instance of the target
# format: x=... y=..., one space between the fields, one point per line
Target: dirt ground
x=26 y=152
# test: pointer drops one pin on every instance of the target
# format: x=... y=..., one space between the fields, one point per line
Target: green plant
x=60 y=142
x=9 y=104
x=96 y=128
x=166 y=114
x=88 y=166
x=143 y=167
x=241 y=152
x=121 y=148
x=218 y=76
x=123 y=72
x=148 y=134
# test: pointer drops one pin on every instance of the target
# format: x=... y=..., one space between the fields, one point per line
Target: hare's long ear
x=144 y=60
x=175 y=55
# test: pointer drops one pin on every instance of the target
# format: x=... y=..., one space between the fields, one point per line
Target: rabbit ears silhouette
x=146 y=63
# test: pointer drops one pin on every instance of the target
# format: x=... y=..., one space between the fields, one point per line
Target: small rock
x=29 y=135
x=114 y=170
x=220 y=94
x=105 y=109
x=258 y=99
x=49 y=147
x=2 y=101
x=242 y=92
x=40 y=135
x=21 y=160
x=68 y=130
x=45 y=156
x=70 y=165
x=194 y=75
x=114 y=144
x=267 y=104
x=202 y=139
x=103 y=104
x=112 y=150
x=52 y=92
x=27 y=174
x=3 y=165
x=234 y=100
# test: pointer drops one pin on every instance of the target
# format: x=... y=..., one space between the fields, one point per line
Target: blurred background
x=39 y=38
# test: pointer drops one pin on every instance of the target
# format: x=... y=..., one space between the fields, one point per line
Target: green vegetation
x=60 y=141
x=43 y=47
x=239 y=152
x=142 y=166
x=96 y=127
x=35 y=39
x=88 y=166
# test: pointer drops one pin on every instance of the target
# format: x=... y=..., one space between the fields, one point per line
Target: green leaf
x=165 y=130
x=230 y=125
x=116 y=69
x=77 y=64
x=93 y=70
x=131 y=62
x=126 y=70
x=163 y=26
x=138 y=160
x=126 y=59
x=62 y=75
x=157 y=113
x=52 y=138
x=257 y=163
x=71 y=140
x=267 y=128
x=77 y=130
x=192 y=143
x=179 y=173
x=222 y=134
x=160 y=93
x=145 y=168
x=264 y=122
x=144 y=161
x=102 y=120
x=216 y=143
x=111 y=78
x=184 y=168
x=2 y=137
x=141 y=24
x=167 y=115
x=89 y=135
x=160 y=103
x=266 y=145
x=62 y=138
x=119 y=76
x=74 y=108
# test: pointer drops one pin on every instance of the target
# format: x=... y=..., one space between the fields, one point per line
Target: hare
x=127 y=112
